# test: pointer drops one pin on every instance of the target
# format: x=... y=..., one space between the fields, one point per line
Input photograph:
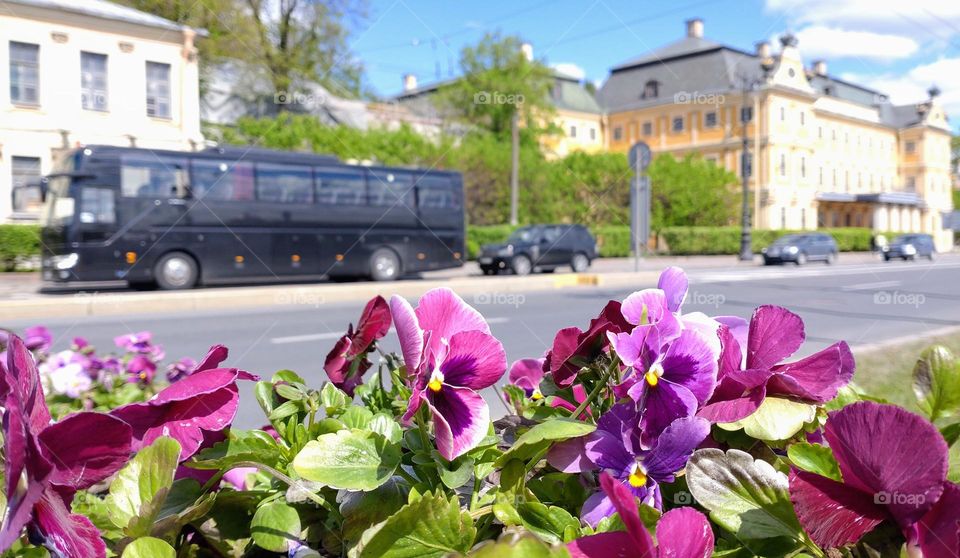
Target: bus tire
x=176 y=271
x=384 y=265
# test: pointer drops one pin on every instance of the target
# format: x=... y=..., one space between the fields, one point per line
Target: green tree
x=497 y=81
x=691 y=192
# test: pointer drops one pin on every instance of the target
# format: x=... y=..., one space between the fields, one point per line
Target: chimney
x=409 y=82
x=527 y=50
x=763 y=49
x=820 y=67
x=695 y=28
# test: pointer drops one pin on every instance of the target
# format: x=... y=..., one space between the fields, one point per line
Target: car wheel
x=831 y=258
x=579 y=263
x=176 y=271
x=384 y=265
x=801 y=259
x=521 y=265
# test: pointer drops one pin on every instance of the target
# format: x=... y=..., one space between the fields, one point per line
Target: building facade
x=83 y=72
x=824 y=152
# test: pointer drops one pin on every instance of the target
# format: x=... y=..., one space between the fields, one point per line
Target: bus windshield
x=59 y=205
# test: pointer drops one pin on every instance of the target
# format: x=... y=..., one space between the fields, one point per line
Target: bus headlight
x=66 y=261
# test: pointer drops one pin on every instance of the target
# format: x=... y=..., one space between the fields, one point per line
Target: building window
x=677 y=123
x=573 y=131
x=593 y=133
x=648 y=128
x=746 y=114
x=783 y=165
x=710 y=119
x=910 y=147
x=618 y=133
x=24 y=73
x=158 y=90
x=26 y=184
x=93 y=81
x=911 y=183
x=651 y=90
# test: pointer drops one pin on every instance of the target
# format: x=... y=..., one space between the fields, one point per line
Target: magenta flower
x=573 y=348
x=180 y=369
x=449 y=356
x=37 y=338
x=894 y=467
x=45 y=464
x=681 y=533
x=347 y=362
x=775 y=334
x=203 y=403
x=527 y=374
x=141 y=370
x=673 y=282
x=135 y=342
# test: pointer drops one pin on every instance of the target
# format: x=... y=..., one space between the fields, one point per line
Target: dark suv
x=910 y=247
x=801 y=248
x=543 y=247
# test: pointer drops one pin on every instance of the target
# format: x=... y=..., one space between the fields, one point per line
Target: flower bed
x=651 y=432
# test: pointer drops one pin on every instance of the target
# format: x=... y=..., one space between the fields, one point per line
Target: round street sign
x=639 y=155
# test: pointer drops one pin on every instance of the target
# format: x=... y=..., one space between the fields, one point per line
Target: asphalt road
x=861 y=304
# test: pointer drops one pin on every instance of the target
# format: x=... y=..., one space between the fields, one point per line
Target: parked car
x=540 y=247
x=910 y=247
x=801 y=248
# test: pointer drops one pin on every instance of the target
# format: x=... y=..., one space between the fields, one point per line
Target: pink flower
x=347 y=362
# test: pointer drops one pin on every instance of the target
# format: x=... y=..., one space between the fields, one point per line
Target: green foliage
x=148 y=547
x=348 y=459
x=538 y=438
x=776 y=419
x=274 y=526
x=726 y=240
x=815 y=459
x=17 y=244
x=691 y=192
x=936 y=383
x=141 y=487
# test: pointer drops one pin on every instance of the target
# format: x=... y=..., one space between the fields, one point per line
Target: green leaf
x=286 y=409
x=348 y=459
x=951 y=433
x=429 y=527
x=542 y=435
x=240 y=445
x=518 y=543
x=456 y=473
x=747 y=497
x=845 y=396
x=289 y=392
x=333 y=399
x=148 y=547
x=383 y=424
x=288 y=376
x=936 y=382
x=776 y=419
x=357 y=417
x=815 y=459
x=140 y=488
x=549 y=522
x=360 y=510
x=274 y=526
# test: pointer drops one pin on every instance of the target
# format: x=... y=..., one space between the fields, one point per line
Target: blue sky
x=898 y=47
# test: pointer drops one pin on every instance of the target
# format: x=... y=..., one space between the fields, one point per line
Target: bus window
x=153 y=176
x=390 y=188
x=222 y=180
x=284 y=183
x=97 y=206
x=436 y=192
x=340 y=186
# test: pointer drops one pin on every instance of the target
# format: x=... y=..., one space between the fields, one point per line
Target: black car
x=543 y=247
x=910 y=247
x=801 y=248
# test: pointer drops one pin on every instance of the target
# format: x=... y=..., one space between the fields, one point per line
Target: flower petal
x=408 y=331
x=662 y=405
x=216 y=355
x=684 y=533
x=474 y=360
x=461 y=419
x=816 y=378
x=570 y=456
x=890 y=453
x=374 y=323
x=607 y=451
x=86 y=448
x=557 y=361
x=64 y=533
x=733 y=410
x=22 y=377
x=445 y=314
x=775 y=334
x=691 y=361
x=526 y=373
x=939 y=530
x=673 y=282
x=645 y=307
x=625 y=503
x=832 y=513
x=615 y=544
x=674 y=447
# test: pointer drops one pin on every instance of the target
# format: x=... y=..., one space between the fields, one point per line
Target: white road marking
x=871 y=286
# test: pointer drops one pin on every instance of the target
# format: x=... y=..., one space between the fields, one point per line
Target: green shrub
x=18 y=243
x=613 y=241
x=726 y=240
x=478 y=235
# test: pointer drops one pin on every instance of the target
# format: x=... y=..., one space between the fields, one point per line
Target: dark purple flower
x=180 y=369
x=681 y=533
x=141 y=369
x=346 y=364
x=572 y=347
x=135 y=342
x=450 y=356
x=775 y=334
x=894 y=467
x=45 y=464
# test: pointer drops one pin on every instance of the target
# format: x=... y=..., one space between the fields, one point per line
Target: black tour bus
x=176 y=219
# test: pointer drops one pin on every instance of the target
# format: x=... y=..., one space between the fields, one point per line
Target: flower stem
x=592 y=397
x=290 y=482
x=480 y=512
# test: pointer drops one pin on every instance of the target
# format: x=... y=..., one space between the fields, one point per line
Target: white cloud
x=927 y=19
x=912 y=86
x=569 y=69
x=817 y=41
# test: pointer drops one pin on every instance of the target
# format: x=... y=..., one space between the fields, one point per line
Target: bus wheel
x=175 y=271
x=384 y=265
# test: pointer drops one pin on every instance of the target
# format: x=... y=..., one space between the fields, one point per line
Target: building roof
x=685 y=46
x=104 y=10
x=569 y=94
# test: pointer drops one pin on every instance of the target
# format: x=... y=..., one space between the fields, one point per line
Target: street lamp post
x=749 y=85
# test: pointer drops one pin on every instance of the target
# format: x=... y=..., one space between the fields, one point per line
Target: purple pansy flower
x=135 y=342
x=775 y=334
x=894 y=467
x=652 y=324
x=681 y=533
x=674 y=283
x=190 y=410
x=346 y=364
x=526 y=374
x=141 y=370
x=449 y=356
x=180 y=369
x=37 y=338
x=45 y=464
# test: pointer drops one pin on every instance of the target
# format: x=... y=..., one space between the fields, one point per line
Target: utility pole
x=514 y=166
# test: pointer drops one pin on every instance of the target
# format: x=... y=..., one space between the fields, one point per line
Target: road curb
x=298 y=295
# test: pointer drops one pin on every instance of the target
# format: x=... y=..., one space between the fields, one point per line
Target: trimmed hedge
x=17 y=244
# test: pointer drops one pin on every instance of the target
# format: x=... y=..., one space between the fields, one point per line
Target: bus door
x=440 y=208
x=96 y=229
x=286 y=198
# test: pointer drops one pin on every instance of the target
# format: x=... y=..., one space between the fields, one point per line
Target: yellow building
x=825 y=152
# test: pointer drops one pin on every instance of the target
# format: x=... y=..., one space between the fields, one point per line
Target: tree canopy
x=691 y=192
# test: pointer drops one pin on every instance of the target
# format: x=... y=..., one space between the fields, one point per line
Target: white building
x=81 y=72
